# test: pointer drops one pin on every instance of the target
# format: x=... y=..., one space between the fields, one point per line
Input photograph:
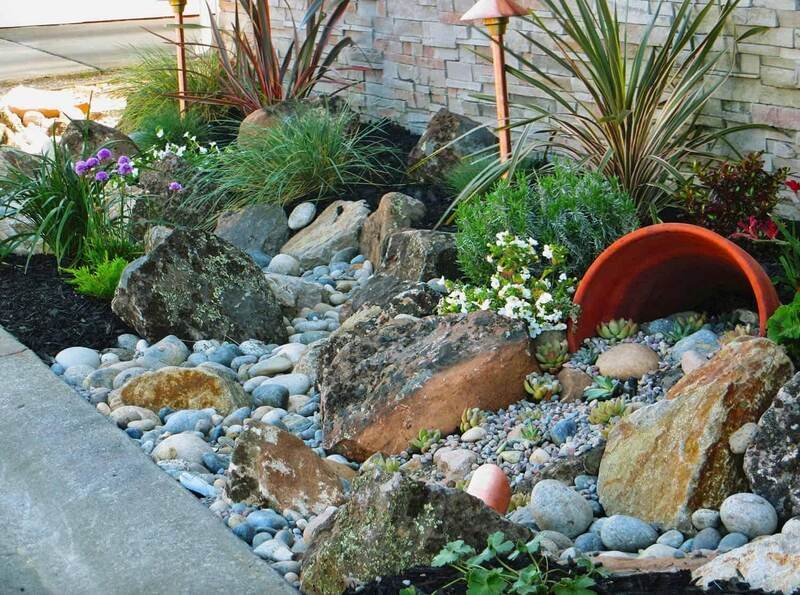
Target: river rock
x=396 y=211
x=273 y=468
x=376 y=379
x=261 y=227
x=770 y=563
x=455 y=463
x=447 y=140
x=337 y=227
x=302 y=215
x=197 y=286
x=641 y=473
x=392 y=523
x=772 y=460
x=627 y=360
x=557 y=507
x=704 y=343
x=187 y=446
x=741 y=438
x=420 y=255
x=627 y=534
x=78 y=356
x=181 y=388
x=748 y=514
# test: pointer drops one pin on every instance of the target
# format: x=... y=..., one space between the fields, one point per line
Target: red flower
x=793 y=185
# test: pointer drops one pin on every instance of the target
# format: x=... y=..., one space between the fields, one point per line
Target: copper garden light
x=495 y=15
x=177 y=7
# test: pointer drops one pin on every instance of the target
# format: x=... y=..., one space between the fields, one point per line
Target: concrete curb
x=83 y=510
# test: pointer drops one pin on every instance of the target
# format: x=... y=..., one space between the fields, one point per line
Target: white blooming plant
x=543 y=300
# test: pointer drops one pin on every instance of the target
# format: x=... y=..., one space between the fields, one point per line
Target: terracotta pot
x=490 y=484
x=667 y=268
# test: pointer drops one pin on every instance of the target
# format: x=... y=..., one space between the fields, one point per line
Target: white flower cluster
x=190 y=145
x=543 y=301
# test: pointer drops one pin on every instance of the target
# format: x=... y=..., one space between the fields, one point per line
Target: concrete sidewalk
x=84 y=511
x=56 y=50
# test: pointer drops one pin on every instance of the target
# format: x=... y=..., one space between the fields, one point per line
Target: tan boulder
x=573 y=383
x=272 y=467
x=181 y=388
x=627 y=360
x=382 y=383
x=666 y=460
x=396 y=211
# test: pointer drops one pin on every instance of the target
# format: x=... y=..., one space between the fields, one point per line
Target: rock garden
x=393 y=363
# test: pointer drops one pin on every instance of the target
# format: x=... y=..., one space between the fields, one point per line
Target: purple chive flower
x=101 y=176
x=81 y=168
x=123 y=159
x=124 y=169
x=92 y=162
x=104 y=154
x=175 y=186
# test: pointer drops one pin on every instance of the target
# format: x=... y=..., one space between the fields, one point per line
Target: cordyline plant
x=255 y=76
x=641 y=122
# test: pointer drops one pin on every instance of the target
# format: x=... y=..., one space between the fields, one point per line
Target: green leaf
x=408 y=591
x=486 y=582
x=498 y=542
x=452 y=552
x=580 y=585
x=530 y=581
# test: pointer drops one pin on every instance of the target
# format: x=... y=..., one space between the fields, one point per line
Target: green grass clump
x=310 y=155
x=149 y=87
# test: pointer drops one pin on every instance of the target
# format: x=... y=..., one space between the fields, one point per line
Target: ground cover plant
x=641 y=125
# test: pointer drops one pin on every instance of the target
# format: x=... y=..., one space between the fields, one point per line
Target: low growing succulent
x=683 y=326
x=425 y=439
x=471 y=418
x=531 y=433
x=608 y=410
x=552 y=355
x=541 y=386
x=741 y=330
x=518 y=500
x=586 y=355
x=602 y=389
x=617 y=330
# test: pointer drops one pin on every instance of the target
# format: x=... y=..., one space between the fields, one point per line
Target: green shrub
x=100 y=279
x=506 y=208
x=150 y=85
x=783 y=326
x=583 y=211
x=311 y=155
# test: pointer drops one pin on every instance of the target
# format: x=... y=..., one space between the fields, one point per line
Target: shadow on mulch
x=46 y=314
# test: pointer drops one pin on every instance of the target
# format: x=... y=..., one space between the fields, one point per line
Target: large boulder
x=772 y=461
x=14 y=159
x=430 y=161
x=197 y=286
x=85 y=137
x=336 y=228
x=395 y=212
x=771 y=564
x=394 y=296
x=421 y=255
x=274 y=468
x=260 y=227
x=666 y=460
x=382 y=383
x=181 y=388
x=392 y=523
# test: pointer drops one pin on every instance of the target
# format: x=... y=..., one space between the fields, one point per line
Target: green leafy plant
x=99 y=279
x=491 y=572
x=68 y=207
x=169 y=127
x=531 y=433
x=551 y=355
x=602 y=389
x=789 y=258
x=505 y=209
x=543 y=301
x=783 y=326
x=150 y=85
x=254 y=75
x=617 y=330
x=721 y=196
x=584 y=211
x=311 y=155
x=425 y=439
x=541 y=386
x=634 y=113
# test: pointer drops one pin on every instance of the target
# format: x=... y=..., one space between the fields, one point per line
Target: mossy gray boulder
x=197 y=286
x=393 y=523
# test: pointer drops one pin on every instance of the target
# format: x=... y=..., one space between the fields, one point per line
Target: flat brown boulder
x=392 y=523
x=395 y=212
x=665 y=461
x=274 y=468
x=420 y=255
x=181 y=388
x=382 y=383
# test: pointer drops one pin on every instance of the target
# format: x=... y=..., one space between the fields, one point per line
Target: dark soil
x=46 y=314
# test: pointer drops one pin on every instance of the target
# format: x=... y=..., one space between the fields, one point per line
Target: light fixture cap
x=494 y=9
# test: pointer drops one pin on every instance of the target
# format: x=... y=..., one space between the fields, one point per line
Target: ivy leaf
x=580 y=585
x=452 y=552
x=529 y=582
x=484 y=556
x=486 y=582
x=498 y=543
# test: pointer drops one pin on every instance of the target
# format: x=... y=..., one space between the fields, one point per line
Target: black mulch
x=46 y=314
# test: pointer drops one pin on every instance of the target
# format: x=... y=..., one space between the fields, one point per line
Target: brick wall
x=421 y=58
